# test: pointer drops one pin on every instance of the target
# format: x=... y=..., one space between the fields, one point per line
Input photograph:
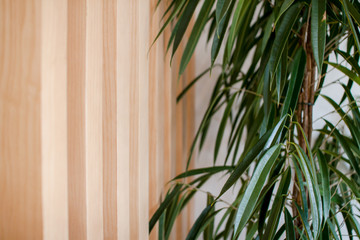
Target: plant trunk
x=304 y=113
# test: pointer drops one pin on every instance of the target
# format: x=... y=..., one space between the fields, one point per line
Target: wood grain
x=123 y=52
x=20 y=120
x=54 y=119
x=109 y=121
x=93 y=119
x=89 y=128
x=76 y=65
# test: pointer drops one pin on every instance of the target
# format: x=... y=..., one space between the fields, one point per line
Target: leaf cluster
x=260 y=47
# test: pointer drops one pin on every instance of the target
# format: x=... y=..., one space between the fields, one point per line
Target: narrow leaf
x=290 y=230
x=318 y=30
x=195 y=34
x=325 y=182
x=252 y=192
x=223 y=125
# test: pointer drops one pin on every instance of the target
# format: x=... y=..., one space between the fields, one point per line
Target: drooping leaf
x=283 y=31
x=347 y=5
x=252 y=191
x=195 y=34
x=348 y=182
x=346 y=71
x=163 y=206
x=295 y=83
x=290 y=230
x=223 y=125
x=318 y=30
x=325 y=182
x=222 y=7
x=278 y=205
x=353 y=160
x=198 y=223
x=184 y=23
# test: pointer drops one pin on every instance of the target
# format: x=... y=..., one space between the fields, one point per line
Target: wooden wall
x=89 y=129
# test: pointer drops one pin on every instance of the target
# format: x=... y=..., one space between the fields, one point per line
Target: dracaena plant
x=296 y=188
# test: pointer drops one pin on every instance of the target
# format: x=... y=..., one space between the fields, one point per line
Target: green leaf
x=346 y=71
x=209 y=229
x=253 y=190
x=234 y=27
x=220 y=34
x=212 y=170
x=223 y=125
x=355 y=132
x=347 y=5
x=348 y=182
x=297 y=75
x=325 y=182
x=170 y=222
x=318 y=30
x=186 y=89
x=283 y=31
x=314 y=194
x=354 y=108
x=245 y=163
x=350 y=59
x=278 y=205
x=184 y=23
x=169 y=19
x=195 y=34
x=202 y=126
x=305 y=222
x=290 y=230
x=353 y=161
x=332 y=229
x=198 y=223
x=163 y=206
x=286 y=4
x=222 y=7
x=162 y=226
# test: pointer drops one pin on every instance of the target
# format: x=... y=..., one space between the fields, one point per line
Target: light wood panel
x=76 y=76
x=90 y=132
x=93 y=119
x=54 y=120
x=20 y=128
x=109 y=120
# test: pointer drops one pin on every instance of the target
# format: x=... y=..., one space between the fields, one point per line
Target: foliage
x=298 y=188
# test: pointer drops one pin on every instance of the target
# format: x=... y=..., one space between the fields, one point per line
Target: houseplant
x=296 y=187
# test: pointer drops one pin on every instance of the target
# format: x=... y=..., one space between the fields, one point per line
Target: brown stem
x=304 y=111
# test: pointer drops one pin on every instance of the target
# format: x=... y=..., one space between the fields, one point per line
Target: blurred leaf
x=318 y=30
x=198 y=223
x=222 y=7
x=252 y=192
x=212 y=170
x=346 y=71
x=195 y=34
x=354 y=162
x=325 y=181
x=282 y=34
x=163 y=206
x=184 y=23
x=220 y=132
x=295 y=83
x=290 y=230
x=348 y=182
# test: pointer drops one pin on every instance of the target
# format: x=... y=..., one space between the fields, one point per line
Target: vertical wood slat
x=20 y=128
x=93 y=118
x=76 y=77
x=82 y=118
x=123 y=52
x=109 y=121
x=54 y=120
